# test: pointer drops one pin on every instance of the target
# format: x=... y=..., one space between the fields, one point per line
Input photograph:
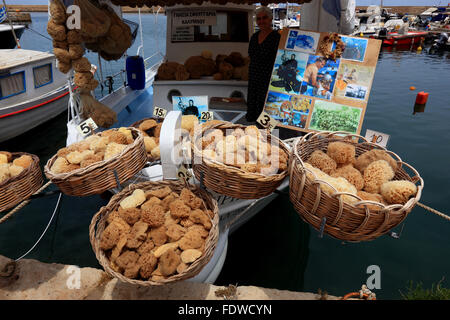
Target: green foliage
x=343 y=119
x=417 y=292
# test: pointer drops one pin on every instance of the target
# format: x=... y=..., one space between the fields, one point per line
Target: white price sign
x=267 y=121
x=378 y=138
x=183 y=173
x=86 y=127
x=206 y=116
x=159 y=112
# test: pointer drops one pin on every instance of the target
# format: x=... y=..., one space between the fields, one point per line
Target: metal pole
x=12 y=28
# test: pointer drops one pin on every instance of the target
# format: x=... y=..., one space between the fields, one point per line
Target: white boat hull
x=27 y=115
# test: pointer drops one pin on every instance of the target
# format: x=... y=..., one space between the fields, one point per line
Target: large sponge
x=377 y=173
x=398 y=191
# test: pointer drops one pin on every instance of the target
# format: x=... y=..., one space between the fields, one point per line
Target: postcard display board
x=310 y=93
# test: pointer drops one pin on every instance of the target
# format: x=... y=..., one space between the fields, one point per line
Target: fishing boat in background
x=409 y=38
x=7 y=40
x=32 y=91
x=12 y=26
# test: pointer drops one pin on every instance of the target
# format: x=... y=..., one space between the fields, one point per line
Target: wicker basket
x=16 y=189
x=98 y=225
x=349 y=222
x=231 y=181
x=136 y=125
x=100 y=176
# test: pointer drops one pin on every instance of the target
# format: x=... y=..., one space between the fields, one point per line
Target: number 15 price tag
x=159 y=112
x=183 y=173
x=267 y=121
x=86 y=127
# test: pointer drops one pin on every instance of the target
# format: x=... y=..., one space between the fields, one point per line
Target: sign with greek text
x=194 y=18
x=180 y=34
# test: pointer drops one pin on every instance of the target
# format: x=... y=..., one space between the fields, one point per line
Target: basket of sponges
x=98 y=163
x=150 y=129
x=350 y=188
x=20 y=177
x=239 y=161
x=155 y=233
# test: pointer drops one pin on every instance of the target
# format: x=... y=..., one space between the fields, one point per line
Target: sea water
x=276 y=249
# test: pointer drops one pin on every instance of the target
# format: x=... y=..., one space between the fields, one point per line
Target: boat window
x=12 y=84
x=229 y=28
x=42 y=75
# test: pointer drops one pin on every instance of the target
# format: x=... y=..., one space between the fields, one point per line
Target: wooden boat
x=32 y=90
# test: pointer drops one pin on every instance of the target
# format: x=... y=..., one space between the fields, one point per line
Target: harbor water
x=276 y=249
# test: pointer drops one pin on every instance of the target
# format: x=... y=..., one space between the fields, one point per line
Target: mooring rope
x=438 y=213
x=28 y=28
x=22 y=204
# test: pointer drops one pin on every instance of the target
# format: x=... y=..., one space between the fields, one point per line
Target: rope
x=28 y=28
x=45 y=230
x=440 y=214
x=22 y=204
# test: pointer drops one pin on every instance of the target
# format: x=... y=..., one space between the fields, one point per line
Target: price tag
x=267 y=121
x=183 y=173
x=86 y=127
x=206 y=116
x=159 y=112
x=378 y=138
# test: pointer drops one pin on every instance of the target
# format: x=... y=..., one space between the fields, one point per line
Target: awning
x=168 y=3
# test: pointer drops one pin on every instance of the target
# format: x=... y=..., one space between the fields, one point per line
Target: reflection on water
x=419 y=108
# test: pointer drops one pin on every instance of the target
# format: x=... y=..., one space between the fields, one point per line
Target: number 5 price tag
x=206 y=116
x=86 y=127
x=378 y=138
x=183 y=173
x=267 y=121
x=159 y=112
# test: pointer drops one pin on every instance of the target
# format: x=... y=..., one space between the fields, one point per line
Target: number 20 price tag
x=86 y=127
x=267 y=121
x=378 y=138
x=159 y=112
x=207 y=116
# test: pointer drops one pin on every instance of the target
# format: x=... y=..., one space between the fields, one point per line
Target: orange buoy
x=422 y=97
x=412 y=88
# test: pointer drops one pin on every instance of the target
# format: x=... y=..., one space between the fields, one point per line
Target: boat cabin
x=191 y=29
x=26 y=75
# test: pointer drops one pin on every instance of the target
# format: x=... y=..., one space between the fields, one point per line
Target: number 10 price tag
x=86 y=127
x=378 y=138
x=267 y=121
x=159 y=112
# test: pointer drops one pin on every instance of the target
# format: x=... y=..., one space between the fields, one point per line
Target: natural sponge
x=322 y=161
x=398 y=191
x=136 y=199
x=351 y=174
x=340 y=184
x=341 y=152
x=377 y=173
x=368 y=157
x=371 y=197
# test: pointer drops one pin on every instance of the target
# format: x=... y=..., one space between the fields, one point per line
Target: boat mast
x=10 y=23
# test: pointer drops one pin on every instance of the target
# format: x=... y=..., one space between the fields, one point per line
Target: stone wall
x=33 y=280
